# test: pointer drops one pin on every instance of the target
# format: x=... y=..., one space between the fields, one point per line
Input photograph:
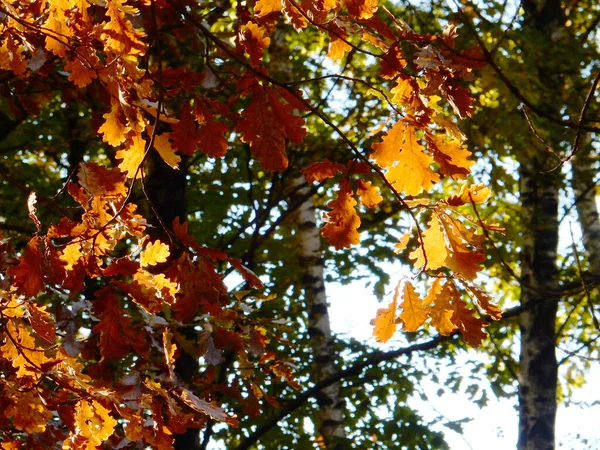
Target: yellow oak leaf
x=154 y=253
x=387 y=152
x=414 y=314
x=341 y=224
x=434 y=247
x=412 y=174
x=402 y=243
x=264 y=7
x=71 y=255
x=27 y=411
x=57 y=32
x=166 y=150
x=369 y=194
x=93 y=423
x=439 y=300
x=385 y=321
x=337 y=49
x=113 y=131
x=402 y=91
x=132 y=156
x=26 y=356
x=476 y=193
x=119 y=35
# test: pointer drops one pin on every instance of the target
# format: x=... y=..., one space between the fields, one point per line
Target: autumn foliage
x=94 y=308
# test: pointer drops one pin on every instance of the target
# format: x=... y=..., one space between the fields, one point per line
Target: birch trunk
x=583 y=174
x=331 y=406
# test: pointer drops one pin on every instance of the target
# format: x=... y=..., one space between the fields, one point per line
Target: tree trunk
x=583 y=174
x=331 y=406
x=538 y=364
x=539 y=199
x=167 y=200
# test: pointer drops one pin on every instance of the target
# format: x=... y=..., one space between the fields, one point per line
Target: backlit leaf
x=342 y=222
x=414 y=314
x=384 y=324
x=155 y=252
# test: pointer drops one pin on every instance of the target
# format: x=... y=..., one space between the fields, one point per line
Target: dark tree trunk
x=539 y=198
x=167 y=201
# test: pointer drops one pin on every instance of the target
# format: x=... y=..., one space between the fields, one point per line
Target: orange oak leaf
x=98 y=180
x=132 y=156
x=361 y=9
x=451 y=156
x=476 y=193
x=113 y=131
x=41 y=322
x=80 y=74
x=385 y=321
x=483 y=300
x=402 y=242
x=466 y=248
x=58 y=29
x=28 y=274
x=119 y=35
x=471 y=327
x=412 y=173
x=118 y=336
x=402 y=91
x=414 y=314
x=155 y=252
x=439 y=301
x=212 y=139
x=254 y=41
x=166 y=151
x=264 y=7
x=341 y=224
x=322 y=170
x=369 y=194
x=266 y=125
x=434 y=247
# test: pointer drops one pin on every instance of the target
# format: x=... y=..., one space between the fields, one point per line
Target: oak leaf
x=266 y=125
x=132 y=156
x=166 y=151
x=322 y=170
x=338 y=48
x=434 y=247
x=155 y=252
x=414 y=314
x=369 y=194
x=253 y=39
x=471 y=327
x=385 y=321
x=264 y=7
x=361 y=9
x=439 y=301
x=98 y=180
x=113 y=131
x=29 y=274
x=451 y=156
x=342 y=222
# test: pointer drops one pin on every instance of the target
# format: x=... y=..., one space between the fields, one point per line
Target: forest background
x=167 y=166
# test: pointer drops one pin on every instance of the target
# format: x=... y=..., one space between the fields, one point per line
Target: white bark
x=331 y=406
